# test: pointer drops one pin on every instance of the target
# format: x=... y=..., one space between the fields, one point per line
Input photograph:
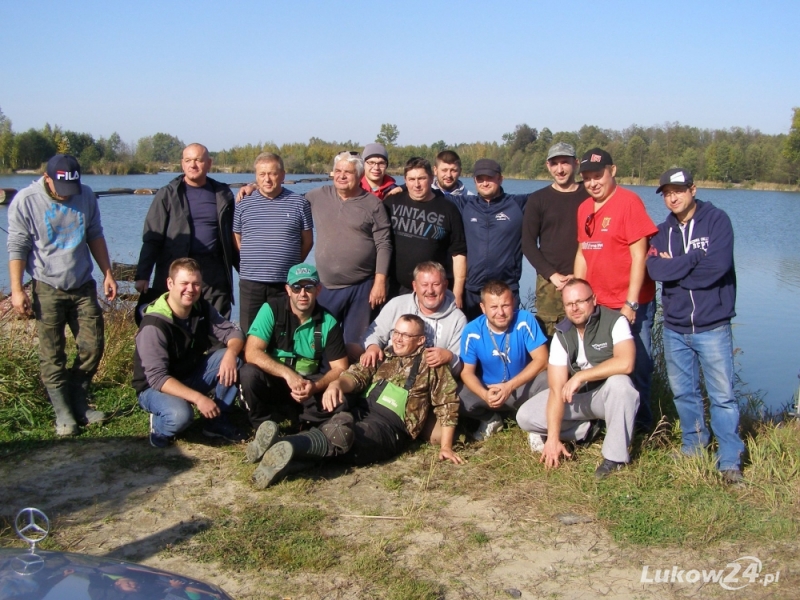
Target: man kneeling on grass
x=171 y=368
x=381 y=409
x=591 y=358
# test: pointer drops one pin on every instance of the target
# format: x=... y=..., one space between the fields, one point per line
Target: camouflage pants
x=56 y=310
x=549 y=307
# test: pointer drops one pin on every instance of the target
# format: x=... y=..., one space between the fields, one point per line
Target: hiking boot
x=266 y=434
x=732 y=477
x=488 y=428
x=220 y=427
x=156 y=439
x=273 y=464
x=536 y=442
x=606 y=468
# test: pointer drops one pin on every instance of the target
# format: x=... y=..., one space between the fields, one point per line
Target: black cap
x=65 y=171
x=595 y=159
x=486 y=166
x=676 y=176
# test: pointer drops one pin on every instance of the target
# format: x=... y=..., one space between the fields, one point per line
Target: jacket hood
x=459 y=190
x=700 y=213
x=160 y=308
x=446 y=309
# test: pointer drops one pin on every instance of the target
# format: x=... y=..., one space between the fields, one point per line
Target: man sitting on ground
x=395 y=399
x=171 y=367
x=294 y=350
x=591 y=358
x=511 y=351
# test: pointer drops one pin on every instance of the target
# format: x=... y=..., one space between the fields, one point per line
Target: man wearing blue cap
x=54 y=230
x=692 y=257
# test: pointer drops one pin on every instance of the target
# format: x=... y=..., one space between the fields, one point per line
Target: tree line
x=736 y=155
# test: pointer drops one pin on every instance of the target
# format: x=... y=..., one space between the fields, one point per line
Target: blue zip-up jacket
x=698 y=284
x=494 y=238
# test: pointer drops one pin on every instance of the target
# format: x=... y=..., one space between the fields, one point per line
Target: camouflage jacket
x=433 y=388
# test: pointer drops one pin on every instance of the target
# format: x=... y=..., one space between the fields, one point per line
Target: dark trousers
x=379 y=433
x=252 y=296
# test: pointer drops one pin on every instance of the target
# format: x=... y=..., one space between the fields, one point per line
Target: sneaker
x=272 y=465
x=156 y=439
x=219 y=427
x=266 y=434
x=606 y=468
x=488 y=428
x=536 y=442
x=594 y=430
x=732 y=476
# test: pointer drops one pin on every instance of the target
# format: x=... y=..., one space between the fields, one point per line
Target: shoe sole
x=266 y=434
x=272 y=465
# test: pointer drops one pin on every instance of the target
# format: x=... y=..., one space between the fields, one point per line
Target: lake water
x=766 y=328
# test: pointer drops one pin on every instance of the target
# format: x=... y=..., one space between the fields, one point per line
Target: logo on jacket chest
x=600 y=346
x=701 y=243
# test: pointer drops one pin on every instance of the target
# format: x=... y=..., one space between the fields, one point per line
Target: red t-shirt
x=621 y=221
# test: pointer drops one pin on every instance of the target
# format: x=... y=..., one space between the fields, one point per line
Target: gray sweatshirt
x=52 y=236
x=442 y=329
x=353 y=237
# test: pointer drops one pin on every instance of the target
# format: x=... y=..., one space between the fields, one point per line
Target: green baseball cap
x=302 y=272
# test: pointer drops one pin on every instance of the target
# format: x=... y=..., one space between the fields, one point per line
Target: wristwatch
x=632 y=305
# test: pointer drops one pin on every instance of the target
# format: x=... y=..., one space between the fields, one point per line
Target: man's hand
x=110 y=287
x=449 y=454
x=393 y=191
x=208 y=408
x=497 y=394
x=332 y=397
x=245 y=190
x=372 y=356
x=436 y=357
x=21 y=303
x=664 y=255
x=573 y=385
x=142 y=285
x=377 y=294
x=295 y=381
x=304 y=392
x=559 y=280
x=553 y=450
x=628 y=313
x=459 y=298
x=228 y=373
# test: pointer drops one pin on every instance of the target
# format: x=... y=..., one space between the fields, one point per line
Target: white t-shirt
x=558 y=354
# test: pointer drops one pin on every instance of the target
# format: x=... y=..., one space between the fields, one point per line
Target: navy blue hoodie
x=698 y=289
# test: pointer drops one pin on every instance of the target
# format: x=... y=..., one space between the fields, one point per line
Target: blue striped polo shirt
x=271 y=233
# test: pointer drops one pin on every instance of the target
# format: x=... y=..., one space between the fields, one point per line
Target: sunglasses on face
x=308 y=287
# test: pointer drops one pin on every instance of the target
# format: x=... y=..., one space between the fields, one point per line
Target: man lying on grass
x=381 y=409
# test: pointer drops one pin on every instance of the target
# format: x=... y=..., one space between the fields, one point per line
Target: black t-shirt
x=205 y=226
x=423 y=231
x=550 y=230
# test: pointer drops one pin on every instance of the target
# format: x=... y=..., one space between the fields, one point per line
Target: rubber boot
x=65 y=421
x=307 y=444
x=266 y=434
x=79 y=399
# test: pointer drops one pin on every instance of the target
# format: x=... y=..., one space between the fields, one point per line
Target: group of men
x=360 y=377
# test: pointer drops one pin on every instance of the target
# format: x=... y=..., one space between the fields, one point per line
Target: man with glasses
x=613 y=233
x=549 y=233
x=505 y=356
x=692 y=257
x=591 y=356
x=294 y=350
x=375 y=179
x=387 y=406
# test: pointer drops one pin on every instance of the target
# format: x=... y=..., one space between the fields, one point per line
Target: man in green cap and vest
x=294 y=350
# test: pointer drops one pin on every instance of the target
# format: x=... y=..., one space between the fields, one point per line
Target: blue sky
x=229 y=73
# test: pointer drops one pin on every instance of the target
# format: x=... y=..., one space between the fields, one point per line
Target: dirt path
x=123 y=499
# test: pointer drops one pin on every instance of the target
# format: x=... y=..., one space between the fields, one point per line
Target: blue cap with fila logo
x=65 y=171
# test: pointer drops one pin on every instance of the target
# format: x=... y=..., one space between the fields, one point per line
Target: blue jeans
x=642 y=375
x=171 y=414
x=685 y=354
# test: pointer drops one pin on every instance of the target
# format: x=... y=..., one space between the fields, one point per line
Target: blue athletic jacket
x=698 y=284
x=494 y=238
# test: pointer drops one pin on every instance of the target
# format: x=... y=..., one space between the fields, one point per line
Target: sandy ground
x=123 y=499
